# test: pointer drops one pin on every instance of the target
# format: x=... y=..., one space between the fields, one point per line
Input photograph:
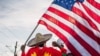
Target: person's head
x=70 y=54
x=60 y=42
x=39 y=40
x=42 y=44
x=57 y=43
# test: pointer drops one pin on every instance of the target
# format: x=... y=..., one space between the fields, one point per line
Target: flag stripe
x=77 y=24
x=94 y=9
x=66 y=28
x=97 y=24
x=81 y=14
x=61 y=36
x=77 y=30
x=66 y=17
x=71 y=40
x=67 y=23
x=82 y=9
x=79 y=19
x=95 y=4
x=77 y=46
x=91 y=13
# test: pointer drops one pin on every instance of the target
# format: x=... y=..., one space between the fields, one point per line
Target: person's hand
x=23 y=48
x=15 y=54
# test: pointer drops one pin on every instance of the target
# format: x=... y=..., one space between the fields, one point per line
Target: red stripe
x=95 y=4
x=81 y=14
x=67 y=29
x=61 y=36
x=92 y=14
x=72 y=20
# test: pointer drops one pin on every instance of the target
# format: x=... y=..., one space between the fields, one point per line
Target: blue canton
x=68 y=4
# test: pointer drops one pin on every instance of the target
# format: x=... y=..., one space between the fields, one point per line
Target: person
x=38 y=47
x=70 y=54
x=60 y=45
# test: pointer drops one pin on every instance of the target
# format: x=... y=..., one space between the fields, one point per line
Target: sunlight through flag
x=77 y=23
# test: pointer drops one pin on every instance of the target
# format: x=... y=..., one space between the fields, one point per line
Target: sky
x=17 y=20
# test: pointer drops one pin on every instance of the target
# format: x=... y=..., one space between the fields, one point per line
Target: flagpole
x=31 y=34
x=15 y=54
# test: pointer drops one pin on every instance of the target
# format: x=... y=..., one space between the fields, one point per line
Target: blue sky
x=17 y=20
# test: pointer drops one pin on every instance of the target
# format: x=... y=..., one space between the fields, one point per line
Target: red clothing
x=45 y=51
x=63 y=50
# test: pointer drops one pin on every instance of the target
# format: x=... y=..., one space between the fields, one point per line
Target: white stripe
x=78 y=18
x=83 y=10
x=95 y=10
x=89 y=27
x=98 y=1
x=77 y=30
x=80 y=48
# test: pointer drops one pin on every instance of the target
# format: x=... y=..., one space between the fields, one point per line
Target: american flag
x=77 y=23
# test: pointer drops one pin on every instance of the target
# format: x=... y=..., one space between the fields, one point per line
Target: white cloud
x=25 y=12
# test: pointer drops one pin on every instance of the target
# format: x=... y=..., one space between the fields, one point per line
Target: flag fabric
x=77 y=23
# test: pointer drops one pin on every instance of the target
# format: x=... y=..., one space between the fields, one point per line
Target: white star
x=58 y=0
x=70 y=1
x=66 y=3
x=62 y=1
x=74 y=0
